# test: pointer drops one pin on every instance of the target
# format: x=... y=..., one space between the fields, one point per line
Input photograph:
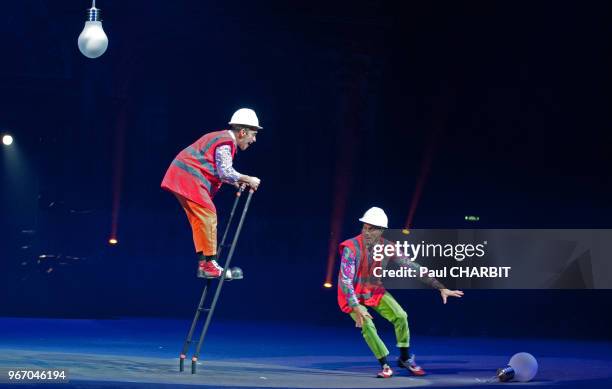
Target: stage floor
x=138 y=353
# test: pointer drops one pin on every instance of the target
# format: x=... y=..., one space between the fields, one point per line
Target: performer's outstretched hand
x=361 y=314
x=450 y=293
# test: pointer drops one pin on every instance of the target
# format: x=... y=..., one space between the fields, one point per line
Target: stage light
x=327 y=285
x=92 y=40
x=7 y=140
x=472 y=218
x=113 y=241
x=405 y=231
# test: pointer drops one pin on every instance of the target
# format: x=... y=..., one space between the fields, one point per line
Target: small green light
x=472 y=218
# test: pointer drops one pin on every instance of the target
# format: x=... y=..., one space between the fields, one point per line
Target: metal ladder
x=211 y=309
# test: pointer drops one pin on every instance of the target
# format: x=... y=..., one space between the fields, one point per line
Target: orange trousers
x=203 y=223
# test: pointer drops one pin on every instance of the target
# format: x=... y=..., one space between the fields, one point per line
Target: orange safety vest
x=369 y=291
x=193 y=172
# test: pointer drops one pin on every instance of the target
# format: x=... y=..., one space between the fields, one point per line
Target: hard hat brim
x=246 y=125
x=370 y=223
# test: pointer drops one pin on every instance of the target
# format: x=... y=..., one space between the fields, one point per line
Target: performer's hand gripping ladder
x=211 y=309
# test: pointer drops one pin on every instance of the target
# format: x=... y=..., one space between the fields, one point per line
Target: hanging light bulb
x=92 y=40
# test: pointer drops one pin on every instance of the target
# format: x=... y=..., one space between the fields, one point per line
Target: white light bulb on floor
x=522 y=367
x=92 y=40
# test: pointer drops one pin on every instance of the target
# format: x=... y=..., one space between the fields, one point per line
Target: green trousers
x=390 y=310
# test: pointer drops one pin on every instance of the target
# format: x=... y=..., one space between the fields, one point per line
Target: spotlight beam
x=440 y=118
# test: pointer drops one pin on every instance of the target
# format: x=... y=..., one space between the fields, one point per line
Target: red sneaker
x=411 y=365
x=385 y=373
x=210 y=269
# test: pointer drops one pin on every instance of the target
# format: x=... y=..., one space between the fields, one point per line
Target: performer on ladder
x=197 y=173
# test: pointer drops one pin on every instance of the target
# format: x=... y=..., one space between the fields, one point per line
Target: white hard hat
x=245 y=117
x=376 y=217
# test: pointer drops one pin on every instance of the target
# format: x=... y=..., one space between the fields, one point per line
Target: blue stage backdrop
x=357 y=99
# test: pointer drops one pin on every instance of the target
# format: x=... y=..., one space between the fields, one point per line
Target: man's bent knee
x=401 y=316
x=368 y=327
